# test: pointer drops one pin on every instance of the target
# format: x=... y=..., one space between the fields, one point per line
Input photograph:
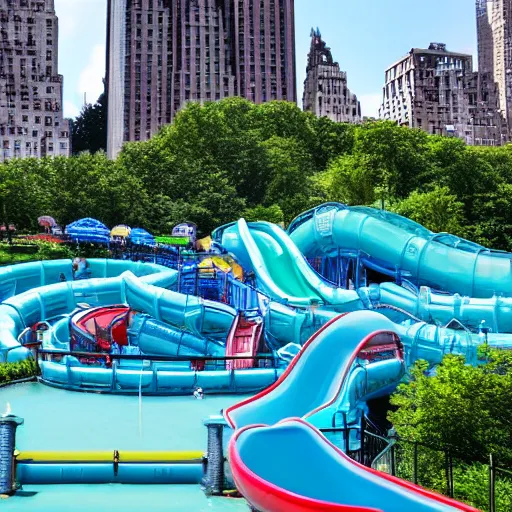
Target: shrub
x=20 y=370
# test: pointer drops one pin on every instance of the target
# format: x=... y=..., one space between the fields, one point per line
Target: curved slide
x=291 y=466
x=54 y=300
x=284 y=275
x=393 y=244
x=20 y=278
x=280 y=268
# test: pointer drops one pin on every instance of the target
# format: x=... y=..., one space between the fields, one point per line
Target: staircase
x=244 y=340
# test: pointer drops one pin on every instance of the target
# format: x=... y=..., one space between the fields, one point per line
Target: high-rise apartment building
x=31 y=117
x=163 y=53
x=494 y=27
x=326 y=93
x=438 y=91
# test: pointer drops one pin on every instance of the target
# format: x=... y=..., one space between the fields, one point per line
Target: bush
x=15 y=371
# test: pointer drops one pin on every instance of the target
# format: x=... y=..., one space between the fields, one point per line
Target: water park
x=250 y=369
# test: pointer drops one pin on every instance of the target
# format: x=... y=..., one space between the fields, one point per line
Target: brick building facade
x=326 y=93
x=163 y=53
x=31 y=115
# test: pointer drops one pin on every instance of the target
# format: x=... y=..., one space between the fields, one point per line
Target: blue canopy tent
x=88 y=230
x=139 y=236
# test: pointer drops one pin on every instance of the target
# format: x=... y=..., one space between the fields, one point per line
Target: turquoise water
x=117 y=498
x=66 y=420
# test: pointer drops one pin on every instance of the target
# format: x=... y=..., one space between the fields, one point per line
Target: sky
x=365 y=36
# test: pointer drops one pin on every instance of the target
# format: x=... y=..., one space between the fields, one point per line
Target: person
x=80 y=266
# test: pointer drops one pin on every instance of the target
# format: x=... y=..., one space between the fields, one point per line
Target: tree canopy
x=221 y=160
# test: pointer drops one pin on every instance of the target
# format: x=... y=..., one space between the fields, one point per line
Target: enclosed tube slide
x=291 y=466
x=393 y=244
x=196 y=315
x=279 y=264
x=284 y=325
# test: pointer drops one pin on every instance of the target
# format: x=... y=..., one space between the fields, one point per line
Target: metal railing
x=205 y=362
x=444 y=472
x=361 y=448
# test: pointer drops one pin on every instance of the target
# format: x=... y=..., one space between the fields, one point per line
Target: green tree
x=291 y=167
x=395 y=157
x=89 y=131
x=462 y=408
x=348 y=179
x=271 y=213
x=437 y=210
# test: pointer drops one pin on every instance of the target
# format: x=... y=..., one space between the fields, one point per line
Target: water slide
x=281 y=270
x=53 y=300
x=281 y=462
x=16 y=279
x=393 y=244
x=282 y=273
x=175 y=324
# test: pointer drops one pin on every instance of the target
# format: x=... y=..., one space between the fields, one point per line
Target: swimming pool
x=114 y=498
x=61 y=420
x=57 y=419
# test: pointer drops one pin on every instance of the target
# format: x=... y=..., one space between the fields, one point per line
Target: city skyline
x=83 y=29
x=163 y=54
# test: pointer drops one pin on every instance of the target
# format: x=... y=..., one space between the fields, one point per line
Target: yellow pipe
x=103 y=456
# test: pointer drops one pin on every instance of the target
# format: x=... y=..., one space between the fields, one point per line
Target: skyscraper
x=494 y=26
x=163 y=53
x=438 y=91
x=31 y=118
x=326 y=93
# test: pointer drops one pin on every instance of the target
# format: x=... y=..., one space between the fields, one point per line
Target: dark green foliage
x=89 y=131
x=16 y=371
x=462 y=410
x=221 y=159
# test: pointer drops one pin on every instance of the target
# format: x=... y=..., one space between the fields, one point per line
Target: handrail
x=134 y=357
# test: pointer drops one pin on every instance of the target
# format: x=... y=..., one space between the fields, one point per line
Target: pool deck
x=117 y=498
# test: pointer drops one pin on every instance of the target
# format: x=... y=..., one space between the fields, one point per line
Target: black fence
x=359 y=444
x=482 y=484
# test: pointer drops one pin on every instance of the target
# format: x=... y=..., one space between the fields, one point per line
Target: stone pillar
x=8 y=425
x=214 y=481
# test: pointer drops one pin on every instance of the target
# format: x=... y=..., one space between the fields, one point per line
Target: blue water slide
x=280 y=268
x=314 y=379
x=16 y=279
x=393 y=244
x=283 y=274
x=51 y=301
x=291 y=466
x=198 y=316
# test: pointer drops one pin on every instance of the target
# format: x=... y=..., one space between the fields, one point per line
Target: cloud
x=70 y=109
x=91 y=77
x=370 y=104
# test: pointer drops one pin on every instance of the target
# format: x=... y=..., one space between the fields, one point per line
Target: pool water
x=118 y=498
x=65 y=420
x=56 y=419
